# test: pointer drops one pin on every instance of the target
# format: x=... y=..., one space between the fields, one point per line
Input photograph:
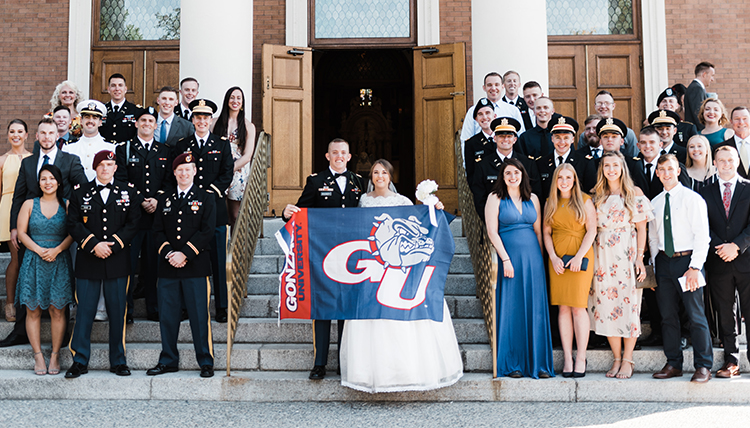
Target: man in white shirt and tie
x=170 y=128
x=493 y=87
x=741 y=140
x=189 y=92
x=679 y=242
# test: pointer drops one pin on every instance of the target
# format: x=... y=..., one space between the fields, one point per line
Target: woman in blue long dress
x=524 y=344
x=45 y=278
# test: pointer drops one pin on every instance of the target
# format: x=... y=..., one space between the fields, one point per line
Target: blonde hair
x=706 y=147
x=627 y=188
x=723 y=120
x=55 y=100
x=576 y=197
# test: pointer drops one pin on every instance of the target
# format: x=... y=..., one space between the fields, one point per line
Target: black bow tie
x=104 y=186
x=337 y=175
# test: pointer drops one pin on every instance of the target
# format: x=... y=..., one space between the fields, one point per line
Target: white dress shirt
x=146 y=144
x=86 y=148
x=157 y=132
x=52 y=155
x=689 y=217
x=733 y=186
x=341 y=180
x=183 y=193
x=653 y=164
x=564 y=157
x=104 y=192
x=502 y=156
x=502 y=109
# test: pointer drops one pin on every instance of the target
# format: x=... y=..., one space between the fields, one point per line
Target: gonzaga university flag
x=364 y=263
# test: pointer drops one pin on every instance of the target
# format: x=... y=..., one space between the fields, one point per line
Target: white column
x=509 y=35
x=428 y=22
x=296 y=23
x=655 y=67
x=216 y=47
x=79 y=44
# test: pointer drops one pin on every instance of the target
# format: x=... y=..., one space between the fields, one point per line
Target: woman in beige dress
x=10 y=164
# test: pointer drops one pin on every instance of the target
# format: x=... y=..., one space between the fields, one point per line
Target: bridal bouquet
x=426 y=194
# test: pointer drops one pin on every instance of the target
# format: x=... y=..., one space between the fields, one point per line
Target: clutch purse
x=650 y=281
x=584 y=262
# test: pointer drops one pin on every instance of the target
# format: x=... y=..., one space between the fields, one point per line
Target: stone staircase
x=270 y=361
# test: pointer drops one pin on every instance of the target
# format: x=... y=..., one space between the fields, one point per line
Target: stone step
x=249 y=330
x=294 y=386
x=455 y=284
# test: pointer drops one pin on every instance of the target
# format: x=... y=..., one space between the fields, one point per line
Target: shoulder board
x=688 y=122
x=139 y=106
x=77 y=186
x=182 y=139
x=636 y=158
x=209 y=191
x=589 y=157
x=131 y=185
x=223 y=138
x=313 y=174
x=357 y=175
x=121 y=144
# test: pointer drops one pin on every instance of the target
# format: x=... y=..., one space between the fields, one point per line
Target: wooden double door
x=145 y=71
x=439 y=82
x=577 y=72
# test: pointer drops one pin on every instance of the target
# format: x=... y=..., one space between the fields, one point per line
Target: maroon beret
x=183 y=158
x=102 y=156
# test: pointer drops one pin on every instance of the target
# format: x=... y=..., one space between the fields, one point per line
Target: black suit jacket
x=652 y=187
x=322 y=191
x=91 y=221
x=475 y=149
x=731 y=143
x=583 y=165
x=185 y=225
x=535 y=142
x=178 y=112
x=524 y=109
x=149 y=172
x=734 y=229
x=679 y=151
x=119 y=127
x=180 y=129
x=486 y=174
x=27 y=184
x=215 y=168
x=694 y=96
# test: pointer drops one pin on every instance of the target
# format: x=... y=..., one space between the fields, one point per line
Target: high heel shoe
x=10 y=312
x=570 y=373
x=40 y=371
x=581 y=374
x=51 y=370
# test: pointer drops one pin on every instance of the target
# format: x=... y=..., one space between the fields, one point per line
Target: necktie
x=200 y=143
x=648 y=172
x=668 y=241
x=182 y=195
x=115 y=108
x=559 y=160
x=744 y=155
x=60 y=142
x=664 y=152
x=163 y=132
x=727 y=197
x=46 y=160
x=104 y=186
x=147 y=146
x=595 y=153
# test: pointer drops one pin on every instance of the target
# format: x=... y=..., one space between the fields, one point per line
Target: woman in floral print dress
x=614 y=301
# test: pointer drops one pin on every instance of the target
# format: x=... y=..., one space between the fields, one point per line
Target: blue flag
x=365 y=263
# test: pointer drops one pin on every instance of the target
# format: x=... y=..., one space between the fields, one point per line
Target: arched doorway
x=366 y=97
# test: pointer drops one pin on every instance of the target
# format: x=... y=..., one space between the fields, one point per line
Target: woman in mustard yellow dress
x=569 y=230
x=10 y=164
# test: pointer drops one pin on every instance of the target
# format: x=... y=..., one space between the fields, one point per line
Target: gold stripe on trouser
x=72 y=351
x=208 y=312
x=315 y=348
x=125 y=317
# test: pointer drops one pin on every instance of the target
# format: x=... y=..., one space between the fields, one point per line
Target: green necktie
x=668 y=241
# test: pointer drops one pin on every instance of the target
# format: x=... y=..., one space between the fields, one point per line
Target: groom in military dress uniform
x=336 y=187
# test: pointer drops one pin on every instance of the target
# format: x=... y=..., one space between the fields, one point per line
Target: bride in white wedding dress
x=388 y=355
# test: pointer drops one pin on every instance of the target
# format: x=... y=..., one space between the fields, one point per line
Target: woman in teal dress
x=524 y=344
x=45 y=279
x=713 y=116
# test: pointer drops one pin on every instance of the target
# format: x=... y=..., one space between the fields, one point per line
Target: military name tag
x=134 y=160
x=492 y=177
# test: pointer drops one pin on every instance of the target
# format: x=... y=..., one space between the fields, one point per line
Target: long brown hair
x=576 y=203
x=501 y=189
x=627 y=188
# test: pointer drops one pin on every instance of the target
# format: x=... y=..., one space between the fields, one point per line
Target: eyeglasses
x=603 y=104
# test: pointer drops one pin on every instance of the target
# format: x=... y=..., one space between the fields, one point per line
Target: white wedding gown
x=390 y=356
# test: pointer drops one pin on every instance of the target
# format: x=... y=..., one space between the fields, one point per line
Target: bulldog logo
x=400 y=243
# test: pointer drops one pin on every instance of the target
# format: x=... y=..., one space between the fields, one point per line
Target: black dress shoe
x=544 y=375
x=567 y=374
x=221 y=315
x=153 y=317
x=516 y=374
x=120 y=370
x=581 y=374
x=318 y=373
x=129 y=319
x=207 y=371
x=76 y=370
x=161 y=369
x=14 y=339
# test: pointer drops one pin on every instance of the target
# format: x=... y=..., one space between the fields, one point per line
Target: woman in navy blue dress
x=524 y=344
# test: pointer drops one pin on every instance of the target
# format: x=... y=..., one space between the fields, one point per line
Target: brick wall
x=269 y=17
x=34 y=50
x=455 y=27
x=714 y=32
